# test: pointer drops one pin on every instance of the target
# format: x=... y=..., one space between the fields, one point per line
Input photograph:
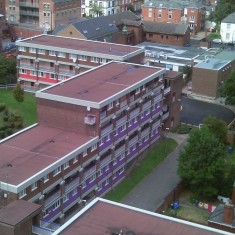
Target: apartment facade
x=188 y=12
x=41 y=63
x=24 y=15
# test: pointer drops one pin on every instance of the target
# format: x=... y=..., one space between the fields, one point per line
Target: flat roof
x=31 y=151
x=213 y=64
x=99 y=84
x=17 y=211
x=106 y=217
x=53 y=42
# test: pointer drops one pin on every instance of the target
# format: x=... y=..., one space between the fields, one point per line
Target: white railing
x=167 y=90
x=103 y=114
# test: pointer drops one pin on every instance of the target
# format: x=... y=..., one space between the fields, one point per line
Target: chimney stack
x=228 y=213
x=233 y=194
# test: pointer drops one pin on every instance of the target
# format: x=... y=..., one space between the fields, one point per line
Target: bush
x=5 y=118
x=8 y=131
x=2 y=107
x=18 y=124
x=183 y=129
x=2 y=134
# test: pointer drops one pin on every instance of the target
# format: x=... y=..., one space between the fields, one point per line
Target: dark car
x=9 y=47
x=231 y=44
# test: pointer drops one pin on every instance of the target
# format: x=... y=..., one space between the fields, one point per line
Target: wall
x=23 y=32
x=70 y=31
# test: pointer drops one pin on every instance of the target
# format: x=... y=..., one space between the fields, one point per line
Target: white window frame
x=22 y=193
x=56 y=205
x=66 y=165
x=32 y=50
x=123 y=127
x=137 y=90
x=33 y=73
x=106 y=182
x=84 y=153
x=57 y=171
x=75 y=159
x=75 y=191
x=61 y=54
x=94 y=59
x=21 y=48
x=94 y=147
x=45 y=178
x=52 y=53
x=41 y=74
x=110 y=105
x=92 y=178
x=23 y=71
x=82 y=57
x=114 y=161
x=41 y=51
x=72 y=56
x=53 y=76
x=150 y=12
x=34 y=186
x=121 y=170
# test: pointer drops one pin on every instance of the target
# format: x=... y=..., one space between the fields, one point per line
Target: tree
x=217 y=127
x=187 y=70
x=201 y=163
x=227 y=90
x=7 y=70
x=96 y=10
x=18 y=93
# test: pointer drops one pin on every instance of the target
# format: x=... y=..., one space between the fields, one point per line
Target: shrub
x=8 y=131
x=183 y=129
x=18 y=124
x=2 y=107
x=2 y=134
x=5 y=118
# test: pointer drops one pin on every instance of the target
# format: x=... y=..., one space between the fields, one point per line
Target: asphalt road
x=194 y=111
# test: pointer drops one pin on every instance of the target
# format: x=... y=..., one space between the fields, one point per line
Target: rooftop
x=229 y=19
x=16 y=211
x=213 y=64
x=32 y=151
x=106 y=217
x=52 y=42
x=99 y=84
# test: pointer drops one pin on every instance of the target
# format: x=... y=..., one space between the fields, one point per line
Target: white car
x=217 y=40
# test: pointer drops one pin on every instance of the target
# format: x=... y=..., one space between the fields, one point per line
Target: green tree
x=187 y=70
x=95 y=10
x=228 y=89
x=18 y=93
x=7 y=70
x=201 y=163
x=217 y=127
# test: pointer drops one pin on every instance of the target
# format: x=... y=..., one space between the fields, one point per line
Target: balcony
x=29 y=4
x=165 y=115
x=48 y=201
x=90 y=120
x=29 y=13
x=103 y=114
x=106 y=129
x=27 y=65
x=167 y=90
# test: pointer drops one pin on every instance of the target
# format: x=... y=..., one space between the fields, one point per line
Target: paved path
x=150 y=192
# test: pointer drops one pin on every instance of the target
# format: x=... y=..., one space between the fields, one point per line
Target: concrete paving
x=150 y=193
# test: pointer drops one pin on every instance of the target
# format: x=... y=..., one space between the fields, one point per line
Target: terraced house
x=45 y=59
x=90 y=130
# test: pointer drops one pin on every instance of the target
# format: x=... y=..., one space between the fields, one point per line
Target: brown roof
x=25 y=154
x=80 y=44
x=172 y=74
x=102 y=82
x=108 y=218
x=17 y=211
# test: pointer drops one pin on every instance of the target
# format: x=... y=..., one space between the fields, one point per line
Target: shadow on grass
x=152 y=159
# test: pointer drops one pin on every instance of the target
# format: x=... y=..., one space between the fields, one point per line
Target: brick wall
x=23 y=32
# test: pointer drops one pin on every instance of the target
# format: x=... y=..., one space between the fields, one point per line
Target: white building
x=227 y=29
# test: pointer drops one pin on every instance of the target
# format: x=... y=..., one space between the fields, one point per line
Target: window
x=159 y=13
x=61 y=54
x=34 y=186
x=65 y=198
x=57 y=171
x=72 y=56
x=101 y=141
x=94 y=59
x=56 y=205
x=137 y=91
x=114 y=161
x=114 y=175
x=75 y=191
x=110 y=105
x=228 y=26
x=82 y=57
x=84 y=184
x=22 y=193
x=146 y=138
x=66 y=165
x=122 y=156
x=166 y=37
x=61 y=77
x=103 y=60
x=22 y=71
x=33 y=73
x=106 y=182
x=107 y=167
x=161 y=36
x=46 y=178
x=150 y=12
x=75 y=159
x=100 y=172
x=20 y=48
x=150 y=35
x=52 y=64
x=70 y=67
x=123 y=127
x=32 y=50
x=93 y=147
x=42 y=74
x=92 y=178
x=52 y=53
x=84 y=153
x=52 y=76
x=41 y=51
x=120 y=171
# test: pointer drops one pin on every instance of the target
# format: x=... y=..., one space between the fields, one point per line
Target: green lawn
x=26 y=109
x=145 y=167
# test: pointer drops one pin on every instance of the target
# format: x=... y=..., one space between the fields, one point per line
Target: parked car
x=211 y=30
x=9 y=47
x=231 y=44
x=217 y=40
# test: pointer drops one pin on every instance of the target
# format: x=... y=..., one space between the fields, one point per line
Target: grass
x=145 y=167
x=27 y=109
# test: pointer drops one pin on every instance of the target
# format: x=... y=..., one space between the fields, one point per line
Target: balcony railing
x=29 y=13
x=29 y=4
x=103 y=114
x=167 y=90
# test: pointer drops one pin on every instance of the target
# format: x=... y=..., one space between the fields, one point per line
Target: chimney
x=228 y=213
x=233 y=195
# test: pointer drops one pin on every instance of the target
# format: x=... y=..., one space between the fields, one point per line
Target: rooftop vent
x=85 y=31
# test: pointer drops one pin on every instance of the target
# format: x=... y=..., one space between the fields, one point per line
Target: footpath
x=150 y=193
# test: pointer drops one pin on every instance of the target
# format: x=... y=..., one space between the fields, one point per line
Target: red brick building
x=190 y=12
x=166 y=33
x=45 y=60
x=38 y=16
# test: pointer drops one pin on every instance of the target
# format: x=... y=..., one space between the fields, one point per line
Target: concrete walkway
x=150 y=193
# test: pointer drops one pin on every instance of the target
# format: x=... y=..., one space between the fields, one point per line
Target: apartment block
x=189 y=12
x=27 y=17
x=45 y=59
x=90 y=130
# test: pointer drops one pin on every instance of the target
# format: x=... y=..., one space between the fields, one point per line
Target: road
x=194 y=111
